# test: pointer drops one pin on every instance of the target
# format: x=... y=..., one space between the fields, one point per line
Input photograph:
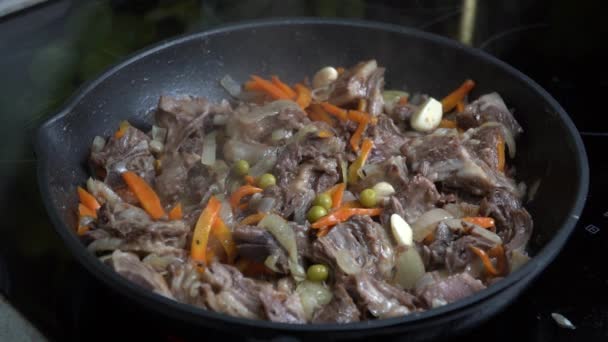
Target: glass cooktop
x=48 y=50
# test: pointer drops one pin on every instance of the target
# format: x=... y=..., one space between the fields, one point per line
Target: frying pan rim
x=191 y=313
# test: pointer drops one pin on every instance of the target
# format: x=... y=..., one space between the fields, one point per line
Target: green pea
x=368 y=198
x=241 y=167
x=323 y=200
x=315 y=213
x=266 y=180
x=317 y=272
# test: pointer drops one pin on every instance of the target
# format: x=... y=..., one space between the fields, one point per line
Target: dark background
x=48 y=51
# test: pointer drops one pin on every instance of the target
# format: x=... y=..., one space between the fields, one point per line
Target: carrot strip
x=249 y=180
x=485 y=259
x=362 y=105
x=499 y=253
x=460 y=106
x=353 y=169
x=200 y=237
x=449 y=102
x=252 y=219
x=224 y=236
x=484 y=222
x=284 y=87
x=403 y=100
x=355 y=139
x=336 y=111
x=337 y=193
x=325 y=134
x=351 y=204
x=500 y=148
x=304 y=96
x=87 y=199
x=83 y=210
x=340 y=70
x=316 y=113
x=122 y=129
x=82 y=230
x=267 y=87
x=241 y=192
x=176 y=213
x=447 y=123
x=322 y=232
x=145 y=194
x=343 y=214
x=358 y=116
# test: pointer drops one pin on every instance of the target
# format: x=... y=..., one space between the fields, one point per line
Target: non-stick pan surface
x=550 y=151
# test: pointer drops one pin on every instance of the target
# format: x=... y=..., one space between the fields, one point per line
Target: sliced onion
x=517 y=260
x=282 y=231
x=486 y=234
x=231 y=86
x=347 y=263
x=271 y=262
x=104 y=244
x=409 y=268
x=220 y=119
x=427 y=222
x=226 y=213
x=344 y=169
x=265 y=164
x=391 y=97
x=209 y=147
x=101 y=191
x=313 y=295
x=266 y=204
x=156 y=146
x=160 y=262
x=509 y=139
x=159 y=134
x=98 y=144
x=303 y=132
x=257 y=113
x=236 y=150
x=280 y=134
x=322 y=93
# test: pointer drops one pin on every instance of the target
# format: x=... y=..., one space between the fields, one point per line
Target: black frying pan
x=550 y=150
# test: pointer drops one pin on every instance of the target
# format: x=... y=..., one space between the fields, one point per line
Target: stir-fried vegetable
x=341 y=114
x=447 y=123
x=315 y=213
x=122 y=129
x=176 y=213
x=259 y=84
x=312 y=296
x=83 y=210
x=500 y=152
x=484 y=222
x=266 y=180
x=145 y=194
x=280 y=229
x=487 y=262
x=241 y=192
x=209 y=147
x=353 y=169
x=316 y=113
x=202 y=229
x=224 y=236
x=323 y=200
x=252 y=219
x=317 y=272
x=241 y=167
x=427 y=222
x=451 y=101
x=284 y=87
x=363 y=120
x=336 y=193
x=87 y=199
x=303 y=97
x=368 y=198
x=343 y=214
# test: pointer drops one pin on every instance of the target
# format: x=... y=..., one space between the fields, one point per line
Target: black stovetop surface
x=48 y=50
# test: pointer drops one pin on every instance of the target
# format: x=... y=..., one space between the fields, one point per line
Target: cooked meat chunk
x=379 y=298
x=282 y=307
x=513 y=222
x=341 y=309
x=355 y=246
x=129 y=266
x=436 y=291
x=130 y=152
x=487 y=108
x=419 y=196
x=355 y=83
x=387 y=138
x=183 y=118
x=256 y=243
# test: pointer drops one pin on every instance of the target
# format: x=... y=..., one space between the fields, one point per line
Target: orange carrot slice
x=87 y=199
x=449 y=102
x=200 y=237
x=241 y=192
x=176 y=213
x=145 y=194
